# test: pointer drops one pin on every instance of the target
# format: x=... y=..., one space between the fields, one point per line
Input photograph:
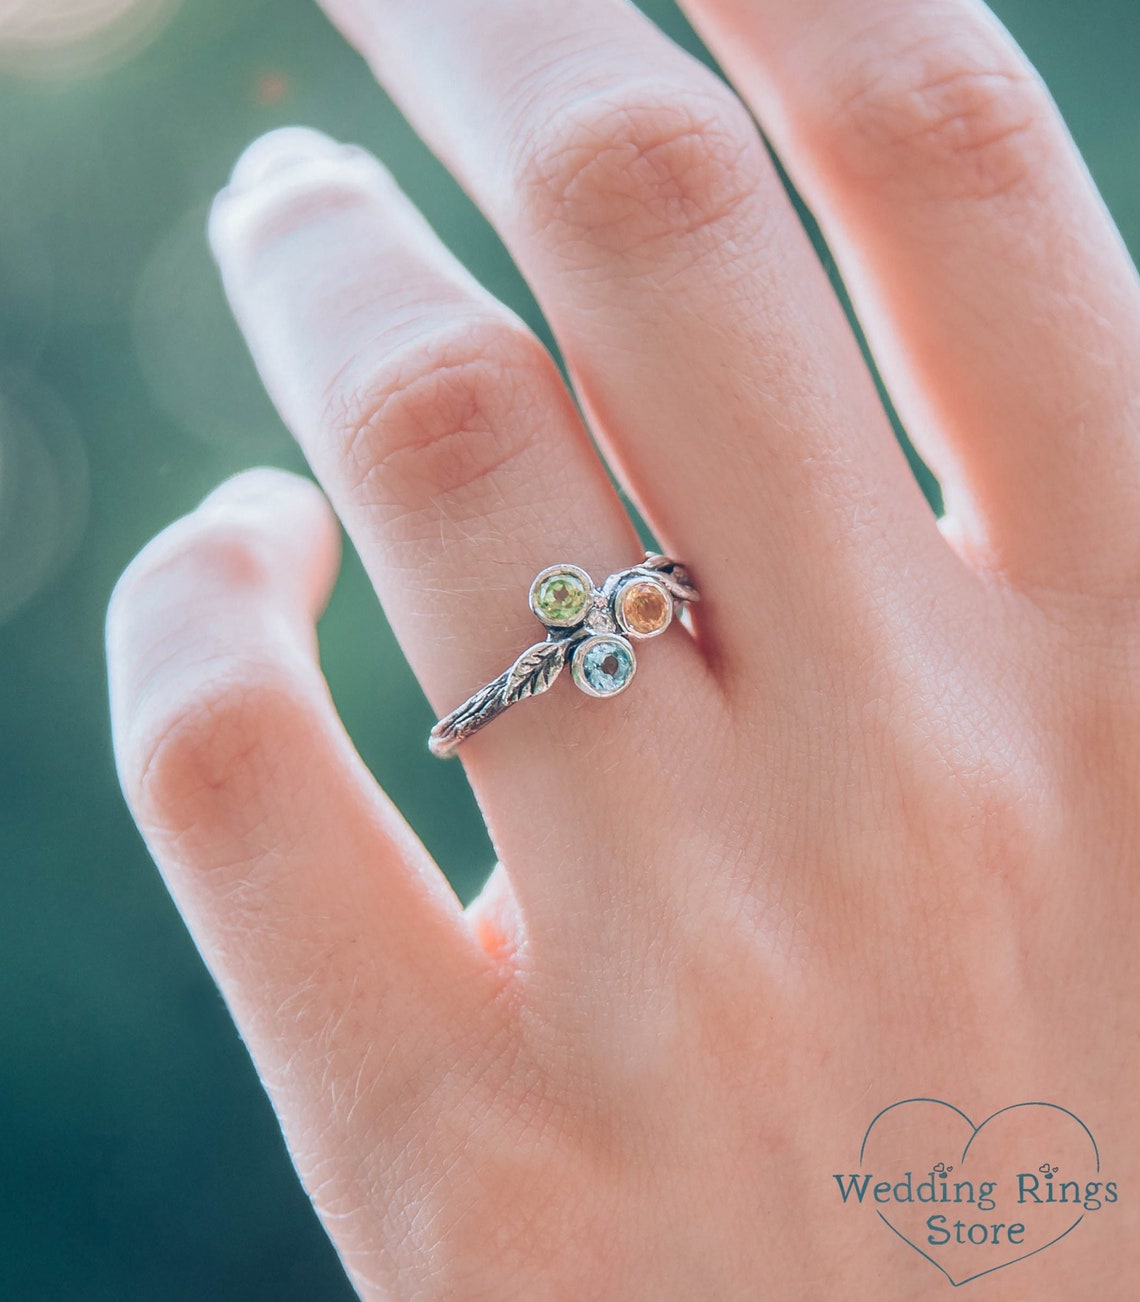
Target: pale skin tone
x=870 y=830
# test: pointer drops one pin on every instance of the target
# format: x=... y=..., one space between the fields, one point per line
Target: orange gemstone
x=644 y=608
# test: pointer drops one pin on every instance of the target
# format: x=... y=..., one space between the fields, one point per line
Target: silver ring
x=591 y=629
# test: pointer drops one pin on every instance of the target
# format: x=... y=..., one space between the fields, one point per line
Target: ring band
x=590 y=628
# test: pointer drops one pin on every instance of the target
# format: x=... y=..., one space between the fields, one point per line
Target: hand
x=868 y=832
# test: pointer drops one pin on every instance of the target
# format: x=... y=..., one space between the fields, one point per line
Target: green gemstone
x=561 y=598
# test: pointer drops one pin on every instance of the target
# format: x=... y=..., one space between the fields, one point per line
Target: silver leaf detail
x=536 y=669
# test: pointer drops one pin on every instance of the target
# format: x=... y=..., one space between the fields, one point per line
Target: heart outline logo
x=975 y=1130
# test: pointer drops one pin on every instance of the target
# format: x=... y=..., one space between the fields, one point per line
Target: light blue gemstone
x=607 y=667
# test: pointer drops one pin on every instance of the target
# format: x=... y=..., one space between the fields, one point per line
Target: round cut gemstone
x=643 y=607
x=560 y=598
x=603 y=666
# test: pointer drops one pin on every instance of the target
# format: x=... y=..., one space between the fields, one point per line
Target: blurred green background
x=138 y=1156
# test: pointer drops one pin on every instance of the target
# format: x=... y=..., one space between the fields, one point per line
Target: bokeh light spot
x=26 y=286
x=194 y=360
x=69 y=38
x=272 y=88
x=43 y=489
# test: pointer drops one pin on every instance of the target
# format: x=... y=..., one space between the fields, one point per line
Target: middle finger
x=703 y=336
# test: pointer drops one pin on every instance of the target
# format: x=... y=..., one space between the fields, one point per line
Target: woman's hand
x=870 y=833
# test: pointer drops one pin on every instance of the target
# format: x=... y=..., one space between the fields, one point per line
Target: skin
x=868 y=831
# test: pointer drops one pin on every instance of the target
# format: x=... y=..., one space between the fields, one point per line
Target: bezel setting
x=578 y=667
x=554 y=571
x=641 y=581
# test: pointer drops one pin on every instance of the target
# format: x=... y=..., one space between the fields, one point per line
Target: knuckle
x=198 y=756
x=223 y=550
x=656 y=164
x=431 y=427
x=191 y=742
x=960 y=118
x=204 y=551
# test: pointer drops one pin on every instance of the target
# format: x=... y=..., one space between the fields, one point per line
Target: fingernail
x=278 y=151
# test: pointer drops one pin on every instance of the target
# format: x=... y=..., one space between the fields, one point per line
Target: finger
x=708 y=348
x=344 y=958
x=1001 y=303
x=442 y=432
